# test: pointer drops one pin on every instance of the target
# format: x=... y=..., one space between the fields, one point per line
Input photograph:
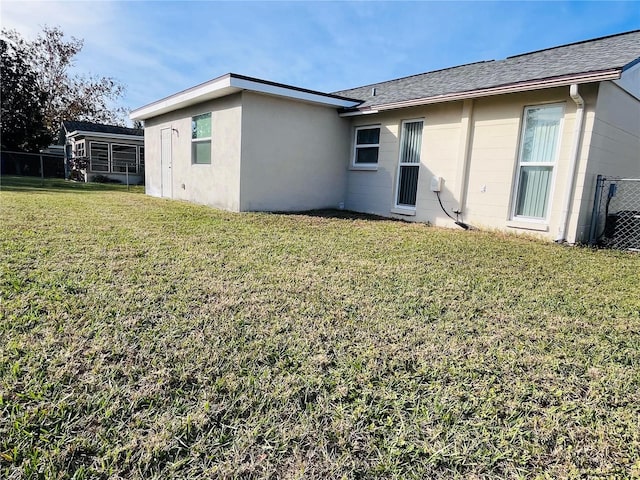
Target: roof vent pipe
x=373 y=92
x=573 y=159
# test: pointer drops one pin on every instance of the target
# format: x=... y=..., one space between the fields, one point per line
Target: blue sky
x=159 y=48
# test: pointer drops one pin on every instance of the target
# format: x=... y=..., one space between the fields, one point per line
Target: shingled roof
x=615 y=52
x=72 y=126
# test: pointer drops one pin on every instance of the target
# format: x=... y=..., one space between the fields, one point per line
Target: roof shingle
x=72 y=126
x=606 y=53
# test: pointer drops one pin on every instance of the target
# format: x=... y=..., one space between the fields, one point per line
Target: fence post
x=595 y=211
x=41 y=171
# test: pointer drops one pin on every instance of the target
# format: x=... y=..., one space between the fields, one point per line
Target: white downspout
x=573 y=158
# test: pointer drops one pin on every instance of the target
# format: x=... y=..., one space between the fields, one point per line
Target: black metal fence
x=615 y=220
x=31 y=164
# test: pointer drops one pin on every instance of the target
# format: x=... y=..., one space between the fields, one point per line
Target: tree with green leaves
x=22 y=122
x=63 y=95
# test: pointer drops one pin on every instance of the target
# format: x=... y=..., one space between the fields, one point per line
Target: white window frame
x=519 y=164
x=202 y=140
x=124 y=145
x=398 y=207
x=78 y=144
x=356 y=146
x=108 y=170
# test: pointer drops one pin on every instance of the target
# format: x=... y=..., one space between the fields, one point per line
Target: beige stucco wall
x=612 y=144
x=493 y=133
x=293 y=155
x=216 y=184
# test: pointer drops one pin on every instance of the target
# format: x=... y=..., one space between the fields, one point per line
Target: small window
x=367 y=145
x=201 y=139
x=80 y=150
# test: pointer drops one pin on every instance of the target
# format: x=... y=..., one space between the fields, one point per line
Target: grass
x=146 y=338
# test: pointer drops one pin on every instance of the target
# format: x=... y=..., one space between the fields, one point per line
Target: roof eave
x=231 y=83
x=120 y=136
x=591 y=77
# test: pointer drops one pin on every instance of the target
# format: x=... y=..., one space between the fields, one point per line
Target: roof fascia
x=293 y=93
x=631 y=64
x=217 y=87
x=613 y=74
x=229 y=84
x=118 y=136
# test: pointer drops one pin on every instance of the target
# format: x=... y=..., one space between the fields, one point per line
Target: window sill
x=538 y=227
x=410 y=212
x=366 y=168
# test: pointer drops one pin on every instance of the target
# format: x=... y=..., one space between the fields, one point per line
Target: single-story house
x=111 y=151
x=513 y=144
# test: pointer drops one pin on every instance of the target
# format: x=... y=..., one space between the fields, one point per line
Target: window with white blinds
x=409 y=163
x=537 y=159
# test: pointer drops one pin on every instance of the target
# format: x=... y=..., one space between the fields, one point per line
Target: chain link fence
x=615 y=220
x=41 y=165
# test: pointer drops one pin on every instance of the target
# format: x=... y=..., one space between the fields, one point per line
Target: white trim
x=397 y=205
x=358 y=113
x=553 y=165
x=613 y=74
x=117 y=136
x=229 y=84
x=356 y=145
x=407 y=211
x=285 y=91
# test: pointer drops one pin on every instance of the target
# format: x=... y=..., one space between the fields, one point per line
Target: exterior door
x=166 y=163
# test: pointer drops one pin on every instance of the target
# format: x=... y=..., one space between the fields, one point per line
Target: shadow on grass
x=342 y=214
x=12 y=183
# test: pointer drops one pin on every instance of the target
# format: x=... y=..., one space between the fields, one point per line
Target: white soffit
x=229 y=84
x=218 y=87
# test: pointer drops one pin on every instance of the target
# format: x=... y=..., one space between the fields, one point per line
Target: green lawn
x=145 y=338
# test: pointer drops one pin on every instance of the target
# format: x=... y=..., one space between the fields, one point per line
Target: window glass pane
x=142 y=156
x=542 y=126
x=408 y=186
x=367 y=155
x=201 y=152
x=99 y=157
x=533 y=191
x=411 y=142
x=121 y=156
x=368 y=136
x=100 y=150
x=201 y=126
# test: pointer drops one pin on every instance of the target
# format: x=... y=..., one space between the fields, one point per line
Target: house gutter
x=613 y=74
x=573 y=158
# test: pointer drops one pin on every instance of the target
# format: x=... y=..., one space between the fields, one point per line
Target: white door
x=165 y=163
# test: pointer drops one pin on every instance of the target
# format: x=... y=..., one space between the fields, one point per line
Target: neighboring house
x=514 y=144
x=107 y=150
